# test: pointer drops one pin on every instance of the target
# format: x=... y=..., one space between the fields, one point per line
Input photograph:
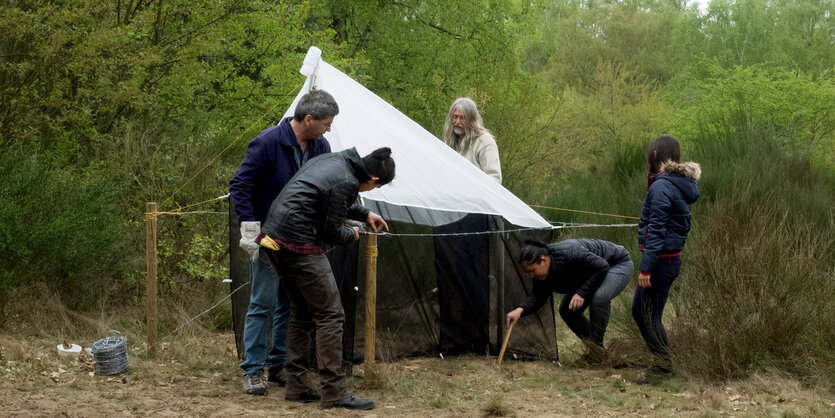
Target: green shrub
x=757 y=281
x=59 y=226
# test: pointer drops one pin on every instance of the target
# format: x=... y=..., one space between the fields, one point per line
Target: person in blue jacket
x=272 y=158
x=662 y=232
x=589 y=272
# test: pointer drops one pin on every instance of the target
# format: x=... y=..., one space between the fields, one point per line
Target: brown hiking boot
x=277 y=377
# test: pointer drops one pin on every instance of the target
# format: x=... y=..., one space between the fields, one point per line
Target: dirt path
x=199 y=376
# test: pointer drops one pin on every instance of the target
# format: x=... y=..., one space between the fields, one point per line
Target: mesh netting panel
x=409 y=318
x=415 y=313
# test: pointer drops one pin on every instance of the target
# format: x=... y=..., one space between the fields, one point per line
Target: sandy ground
x=199 y=376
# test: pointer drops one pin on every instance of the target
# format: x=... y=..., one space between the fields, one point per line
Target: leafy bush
x=717 y=107
x=59 y=226
x=117 y=105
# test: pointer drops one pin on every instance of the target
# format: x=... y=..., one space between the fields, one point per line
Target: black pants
x=462 y=267
x=648 y=306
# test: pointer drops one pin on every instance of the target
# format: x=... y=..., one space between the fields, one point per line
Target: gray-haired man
x=272 y=158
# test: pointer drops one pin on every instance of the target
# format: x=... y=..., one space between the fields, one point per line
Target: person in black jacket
x=662 y=232
x=308 y=213
x=589 y=272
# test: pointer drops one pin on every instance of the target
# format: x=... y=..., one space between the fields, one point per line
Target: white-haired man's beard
x=458 y=130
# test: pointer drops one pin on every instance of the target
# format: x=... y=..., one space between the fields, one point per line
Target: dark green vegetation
x=105 y=105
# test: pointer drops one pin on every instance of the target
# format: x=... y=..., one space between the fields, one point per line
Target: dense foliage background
x=105 y=105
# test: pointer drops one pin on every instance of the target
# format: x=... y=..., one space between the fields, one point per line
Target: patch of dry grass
x=199 y=374
x=37 y=310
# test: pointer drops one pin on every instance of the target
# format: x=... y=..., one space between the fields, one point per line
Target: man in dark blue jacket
x=272 y=158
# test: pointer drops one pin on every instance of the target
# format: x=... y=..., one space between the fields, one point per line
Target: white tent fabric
x=434 y=185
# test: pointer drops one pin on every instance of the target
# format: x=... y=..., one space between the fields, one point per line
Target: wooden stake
x=370 y=309
x=151 y=277
x=504 y=344
x=497 y=267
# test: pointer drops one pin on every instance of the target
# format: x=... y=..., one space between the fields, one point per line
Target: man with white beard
x=465 y=133
x=461 y=255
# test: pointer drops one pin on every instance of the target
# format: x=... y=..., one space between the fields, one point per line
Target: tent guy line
x=455 y=234
x=234 y=141
x=584 y=211
x=147 y=349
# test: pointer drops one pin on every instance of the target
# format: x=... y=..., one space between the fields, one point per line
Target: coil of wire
x=111 y=355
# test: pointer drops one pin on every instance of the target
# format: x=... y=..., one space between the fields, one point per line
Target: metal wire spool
x=111 y=354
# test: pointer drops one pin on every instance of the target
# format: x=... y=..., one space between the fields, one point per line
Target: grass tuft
x=496 y=408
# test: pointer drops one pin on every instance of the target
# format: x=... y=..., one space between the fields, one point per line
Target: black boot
x=655 y=374
x=349 y=402
x=310 y=395
x=277 y=377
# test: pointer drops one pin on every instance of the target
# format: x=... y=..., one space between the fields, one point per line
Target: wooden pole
x=370 y=309
x=497 y=264
x=504 y=345
x=151 y=279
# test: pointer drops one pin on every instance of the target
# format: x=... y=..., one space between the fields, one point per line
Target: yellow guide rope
x=584 y=211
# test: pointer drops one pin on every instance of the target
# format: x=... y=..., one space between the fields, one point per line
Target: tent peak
x=311 y=61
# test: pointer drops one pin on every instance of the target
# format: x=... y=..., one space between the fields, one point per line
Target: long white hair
x=475 y=126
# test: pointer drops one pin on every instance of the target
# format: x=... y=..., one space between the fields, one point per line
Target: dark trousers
x=315 y=307
x=648 y=306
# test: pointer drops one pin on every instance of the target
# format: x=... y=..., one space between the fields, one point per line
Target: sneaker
x=350 y=402
x=308 y=396
x=254 y=385
x=653 y=374
x=277 y=378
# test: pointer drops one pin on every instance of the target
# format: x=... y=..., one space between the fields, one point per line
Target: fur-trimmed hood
x=689 y=169
x=683 y=176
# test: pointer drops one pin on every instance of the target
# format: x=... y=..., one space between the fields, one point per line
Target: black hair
x=663 y=149
x=318 y=103
x=532 y=252
x=380 y=164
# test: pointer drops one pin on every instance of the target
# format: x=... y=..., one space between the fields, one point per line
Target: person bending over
x=272 y=158
x=589 y=272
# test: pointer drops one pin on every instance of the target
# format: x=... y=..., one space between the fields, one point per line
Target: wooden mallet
x=504 y=344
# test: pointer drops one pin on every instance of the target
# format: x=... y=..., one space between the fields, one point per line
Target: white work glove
x=250 y=231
